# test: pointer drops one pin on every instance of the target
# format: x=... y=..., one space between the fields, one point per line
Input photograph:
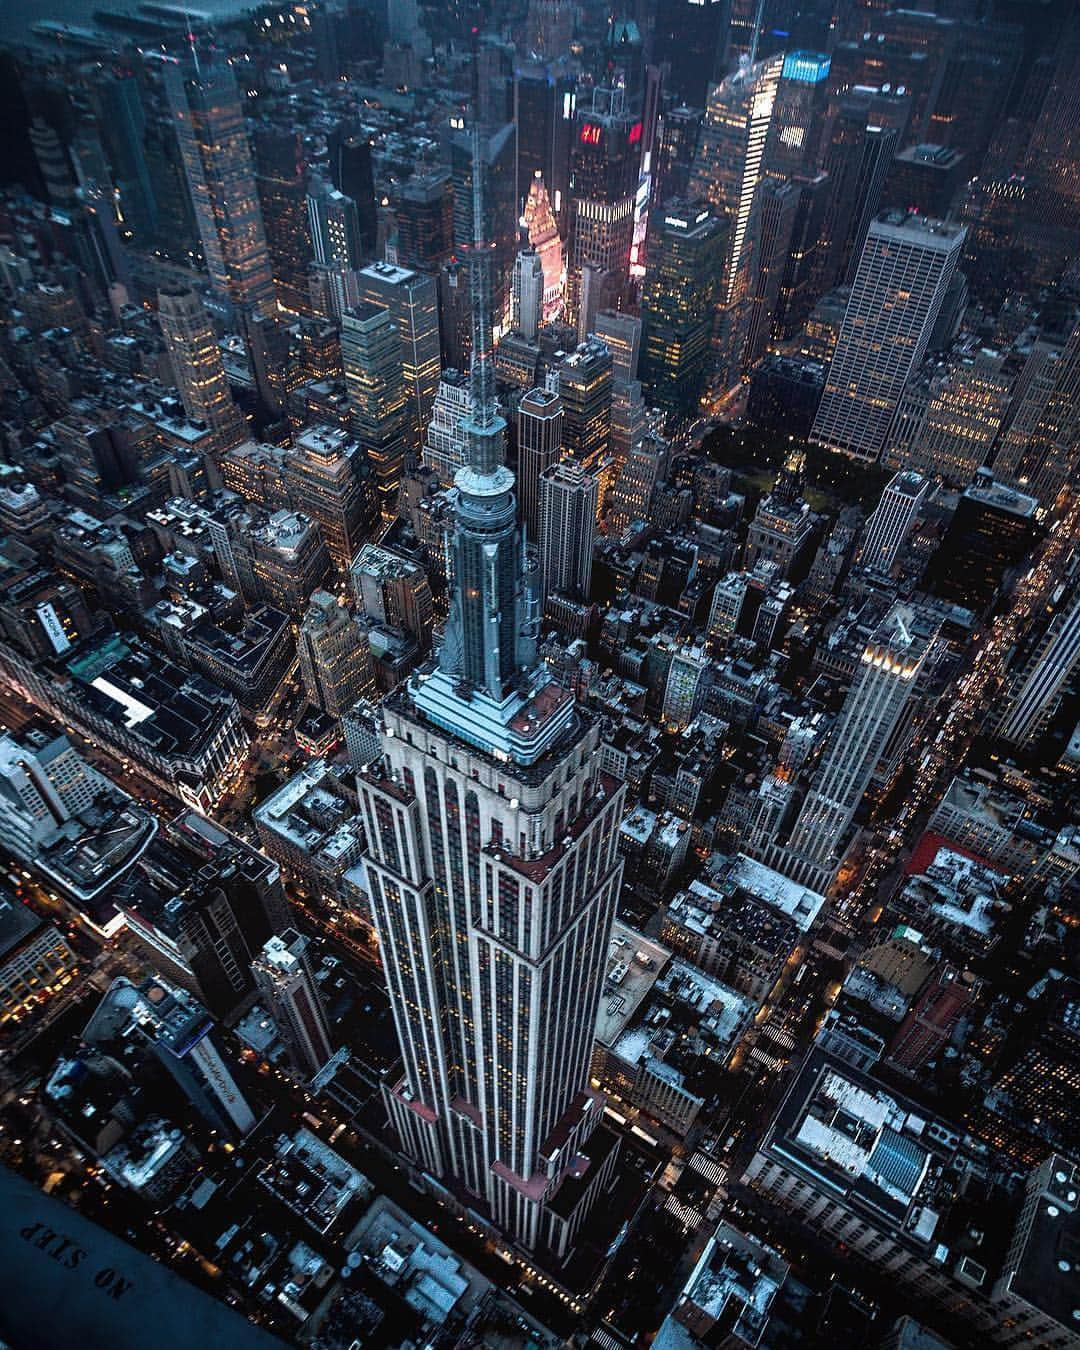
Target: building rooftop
x=708 y=911
x=16 y=924
x=869 y=1145
x=313 y=1180
x=639 y=825
x=926 y=228
x=956 y=892
x=717 y=1010
x=305 y=812
x=144 y=1154
x=797 y=902
x=245 y=651
x=988 y=492
x=1043 y=1270
x=388 y=272
x=170 y=709
x=634 y=965
x=92 y=850
x=729 y=1294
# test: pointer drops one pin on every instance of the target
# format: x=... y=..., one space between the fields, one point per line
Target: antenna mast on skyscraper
x=192 y=43
x=482 y=384
x=758 y=17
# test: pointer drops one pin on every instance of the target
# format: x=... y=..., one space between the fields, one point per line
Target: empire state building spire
x=487 y=429
x=490 y=646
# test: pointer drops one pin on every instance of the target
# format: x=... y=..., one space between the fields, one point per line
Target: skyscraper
x=892 y=520
x=1043 y=676
x=423 y=208
x=411 y=300
x=445 y=442
x=209 y=120
x=798 y=115
x=1047 y=457
x=493 y=873
x=686 y=685
x=540 y=423
x=857 y=160
x=949 y=416
x=286 y=982
x=351 y=172
x=567 y=529
x=689 y=37
x=371 y=355
x=678 y=306
x=992 y=530
x=180 y=1033
x=329 y=477
x=335 y=658
x=778 y=215
x=527 y=293
x=621 y=333
x=280 y=174
x=1051 y=158
x=903 y=276
x=890 y=665
x=727 y=172
x=645 y=467
x=393 y=590
x=200 y=921
x=585 y=387
x=122 y=117
x=544 y=98
x=198 y=366
x=543 y=232
x=550 y=26
x=335 y=242
x=605 y=159
x=676 y=150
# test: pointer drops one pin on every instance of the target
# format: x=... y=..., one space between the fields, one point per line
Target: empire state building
x=493 y=872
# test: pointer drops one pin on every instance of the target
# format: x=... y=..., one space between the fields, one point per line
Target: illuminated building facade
x=539 y=440
x=335 y=241
x=209 y=120
x=328 y=476
x=543 y=232
x=1040 y=683
x=605 y=158
x=371 y=355
x=678 y=306
x=956 y=426
x=445 y=441
x=280 y=174
x=411 y=299
x=904 y=273
x=890 y=664
x=567 y=512
x=198 y=366
x=727 y=172
x=892 y=520
x=585 y=387
x=335 y=658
